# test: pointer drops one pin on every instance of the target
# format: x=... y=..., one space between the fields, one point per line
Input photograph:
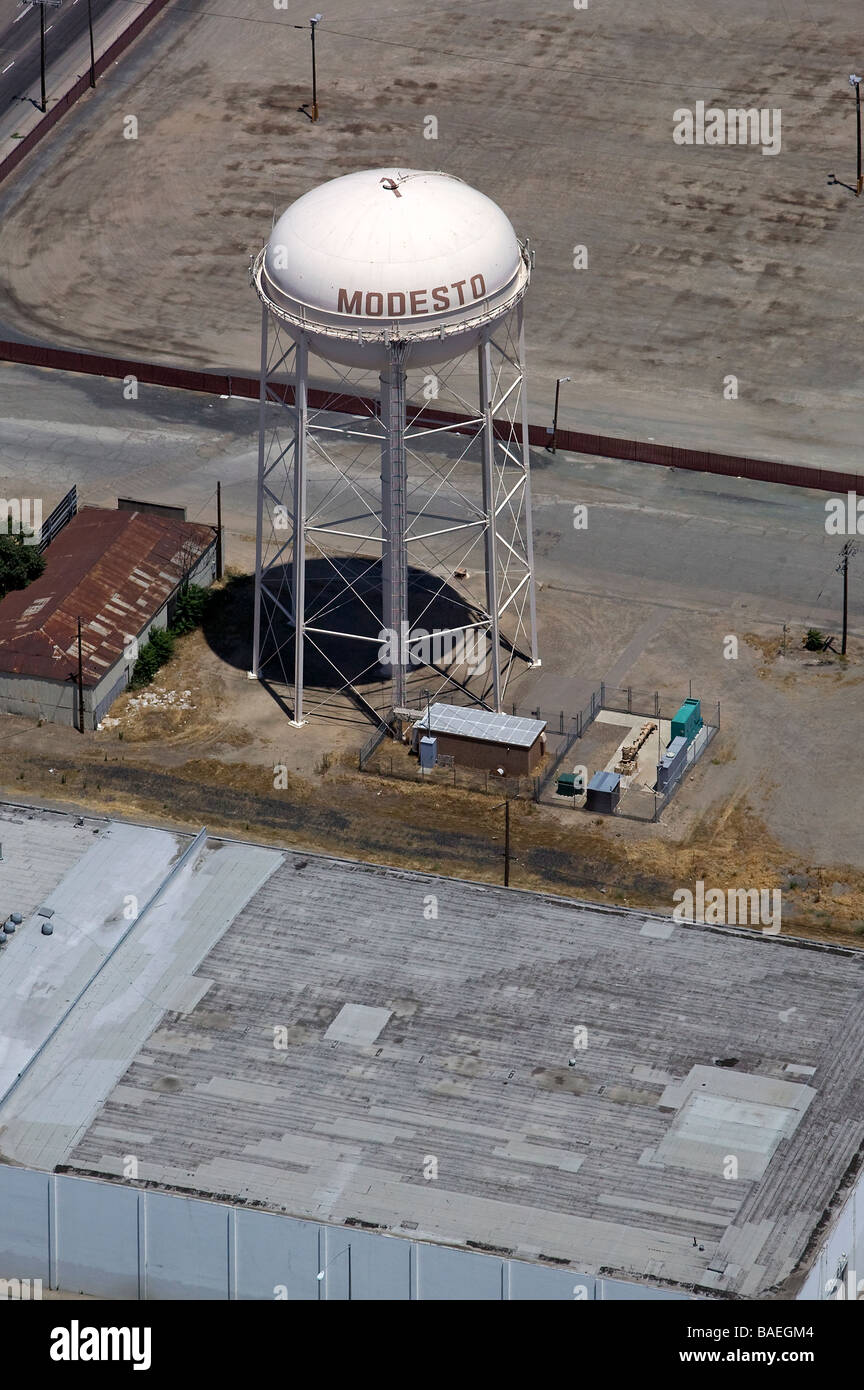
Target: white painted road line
x=11 y=65
x=23 y=12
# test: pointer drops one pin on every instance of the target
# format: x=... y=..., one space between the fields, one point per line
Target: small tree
x=20 y=564
x=814 y=641
x=151 y=656
x=189 y=609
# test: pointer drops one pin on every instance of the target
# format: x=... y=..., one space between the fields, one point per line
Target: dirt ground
x=211 y=757
x=701 y=261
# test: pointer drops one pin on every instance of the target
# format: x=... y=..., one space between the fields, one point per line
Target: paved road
x=19 y=43
x=692 y=540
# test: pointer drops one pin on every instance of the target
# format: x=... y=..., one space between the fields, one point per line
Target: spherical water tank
x=392 y=254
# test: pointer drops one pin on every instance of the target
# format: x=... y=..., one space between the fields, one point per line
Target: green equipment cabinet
x=569 y=784
x=688 y=721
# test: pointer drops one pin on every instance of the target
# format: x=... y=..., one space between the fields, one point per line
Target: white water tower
x=393 y=272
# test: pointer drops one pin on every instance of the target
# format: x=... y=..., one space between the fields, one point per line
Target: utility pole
x=92 y=53
x=855 y=81
x=80 y=681
x=550 y=447
x=497 y=807
x=54 y=4
x=219 y=532
x=848 y=550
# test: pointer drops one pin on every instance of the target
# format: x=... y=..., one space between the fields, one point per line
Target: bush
x=151 y=656
x=814 y=641
x=19 y=564
x=188 y=612
x=189 y=609
x=162 y=642
x=146 y=666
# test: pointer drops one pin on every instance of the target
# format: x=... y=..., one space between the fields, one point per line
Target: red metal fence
x=604 y=446
x=183 y=379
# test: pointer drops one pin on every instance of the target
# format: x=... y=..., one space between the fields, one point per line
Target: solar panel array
x=483 y=724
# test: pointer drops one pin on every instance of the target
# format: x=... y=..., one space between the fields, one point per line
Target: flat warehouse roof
x=306 y=1037
x=482 y=724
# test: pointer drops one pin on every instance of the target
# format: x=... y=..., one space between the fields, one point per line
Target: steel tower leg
x=528 y=519
x=484 y=353
x=394 y=483
x=259 y=529
x=298 y=544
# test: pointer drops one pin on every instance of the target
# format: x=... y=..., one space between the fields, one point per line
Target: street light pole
x=550 y=447
x=855 y=81
x=54 y=4
x=314 y=22
x=42 y=53
x=322 y=1272
x=92 y=53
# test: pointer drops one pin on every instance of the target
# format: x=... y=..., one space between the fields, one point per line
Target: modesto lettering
x=398 y=303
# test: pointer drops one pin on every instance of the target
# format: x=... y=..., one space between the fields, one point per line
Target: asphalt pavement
x=65 y=25
x=693 y=541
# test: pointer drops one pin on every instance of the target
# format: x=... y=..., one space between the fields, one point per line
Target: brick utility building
x=481 y=738
x=119 y=572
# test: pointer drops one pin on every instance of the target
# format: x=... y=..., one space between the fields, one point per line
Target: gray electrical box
x=672 y=764
x=428 y=751
x=604 y=792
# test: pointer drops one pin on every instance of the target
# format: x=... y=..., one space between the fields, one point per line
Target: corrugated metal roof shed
x=482 y=724
x=113 y=569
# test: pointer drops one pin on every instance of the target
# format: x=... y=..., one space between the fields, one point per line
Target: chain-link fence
x=653 y=704
x=563 y=731
x=394 y=759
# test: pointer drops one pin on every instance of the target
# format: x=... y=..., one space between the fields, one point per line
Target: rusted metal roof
x=114 y=570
